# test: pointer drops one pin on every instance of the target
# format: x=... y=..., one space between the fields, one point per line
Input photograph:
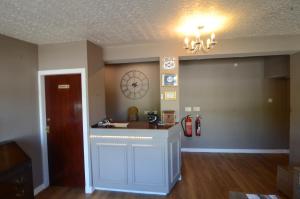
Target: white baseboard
x=131 y=191
x=38 y=189
x=89 y=189
x=253 y=151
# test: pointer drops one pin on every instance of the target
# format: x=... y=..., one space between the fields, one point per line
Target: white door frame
x=85 y=122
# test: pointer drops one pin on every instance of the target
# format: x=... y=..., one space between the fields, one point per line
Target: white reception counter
x=139 y=158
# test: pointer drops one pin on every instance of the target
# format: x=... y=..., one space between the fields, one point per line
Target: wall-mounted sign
x=169 y=63
x=63 y=86
x=170 y=95
x=169 y=80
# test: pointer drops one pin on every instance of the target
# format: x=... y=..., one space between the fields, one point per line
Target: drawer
x=17 y=184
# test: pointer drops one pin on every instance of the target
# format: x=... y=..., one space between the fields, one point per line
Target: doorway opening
x=81 y=106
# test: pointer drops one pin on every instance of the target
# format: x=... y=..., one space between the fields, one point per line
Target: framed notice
x=169 y=63
x=170 y=95
x=169 y=80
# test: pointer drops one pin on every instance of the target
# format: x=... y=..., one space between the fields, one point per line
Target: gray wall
x=63 y=55
x=117 y=104
x=277 y=66
x=18 y=99
x=295 y=110
x=96 y=83
x=234 y=104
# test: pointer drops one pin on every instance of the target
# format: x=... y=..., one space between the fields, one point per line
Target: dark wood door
x=65 y=131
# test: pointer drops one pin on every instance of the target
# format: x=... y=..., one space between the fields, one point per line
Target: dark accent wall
x=18 y=99
x=117 y=104
x=295 y=110
x=234 y=104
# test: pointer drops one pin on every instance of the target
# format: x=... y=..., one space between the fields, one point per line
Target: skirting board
x=39 y=189
x=131 y=191
x=89 y=189
x=253 y=151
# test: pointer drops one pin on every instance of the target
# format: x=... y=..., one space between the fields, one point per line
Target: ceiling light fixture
x=198 y=43
x=199 y=30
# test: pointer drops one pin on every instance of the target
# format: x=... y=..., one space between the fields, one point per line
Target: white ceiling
x=111 y=22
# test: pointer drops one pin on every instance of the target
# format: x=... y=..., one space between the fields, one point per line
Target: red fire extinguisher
x=186 y=124
x=198 y=126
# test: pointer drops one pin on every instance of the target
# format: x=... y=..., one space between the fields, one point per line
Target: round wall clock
x=134 y=84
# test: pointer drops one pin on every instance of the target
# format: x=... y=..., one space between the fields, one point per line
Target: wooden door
x=65 y=130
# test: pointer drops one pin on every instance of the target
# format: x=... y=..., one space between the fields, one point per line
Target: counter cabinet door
x=148 y=164
x=110 y=162
x=174 y=158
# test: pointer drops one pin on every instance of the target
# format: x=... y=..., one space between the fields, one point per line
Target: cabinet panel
x=112 y=163
x=148 y=164
x=174 y=159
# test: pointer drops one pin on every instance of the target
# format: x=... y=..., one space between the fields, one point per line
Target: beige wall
x=239 y=47
x=234 y=104
x=295 y=110
x=18 y=99
x=117 y=104
x=81 y=54
x=63 y=55
x=95 y=83
x=277 y=66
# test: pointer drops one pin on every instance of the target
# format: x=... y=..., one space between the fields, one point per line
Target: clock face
x=169 y=63
x=134 y=84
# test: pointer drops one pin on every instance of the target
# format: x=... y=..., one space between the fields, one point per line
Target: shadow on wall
x=235 y=104
x=117 y=103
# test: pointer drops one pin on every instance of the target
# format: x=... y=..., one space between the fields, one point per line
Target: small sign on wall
x=169 y=63
x=169 y=80
x=170 y=95
x=63 y=86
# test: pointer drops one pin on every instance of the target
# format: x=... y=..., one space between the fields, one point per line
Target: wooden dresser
x=15 y=172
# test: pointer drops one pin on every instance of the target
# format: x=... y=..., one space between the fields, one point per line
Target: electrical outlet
x=196 y=108
x=188 y=109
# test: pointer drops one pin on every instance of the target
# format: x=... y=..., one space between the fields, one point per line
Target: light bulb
x=186 y=42
x=193 y=45
x=213 y=37
x=208 y=43
x=197 y=34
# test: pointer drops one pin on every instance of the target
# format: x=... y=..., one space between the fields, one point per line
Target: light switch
x=196 y=108
x=188 y=109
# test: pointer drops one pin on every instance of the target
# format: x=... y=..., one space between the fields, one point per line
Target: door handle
x=48 y=129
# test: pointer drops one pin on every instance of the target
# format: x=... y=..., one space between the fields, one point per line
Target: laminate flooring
x=204 y=176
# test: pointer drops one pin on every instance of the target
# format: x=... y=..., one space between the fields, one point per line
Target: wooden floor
x=204 y=176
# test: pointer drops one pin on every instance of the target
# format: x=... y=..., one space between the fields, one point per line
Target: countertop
x=138 y=125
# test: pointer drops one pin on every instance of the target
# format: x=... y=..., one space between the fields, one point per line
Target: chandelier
x=197 y=44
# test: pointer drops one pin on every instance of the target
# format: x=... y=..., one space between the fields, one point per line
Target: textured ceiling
x=109 y=22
